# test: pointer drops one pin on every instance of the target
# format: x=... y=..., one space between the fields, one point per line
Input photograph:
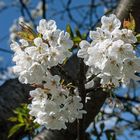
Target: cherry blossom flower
x=111 y=53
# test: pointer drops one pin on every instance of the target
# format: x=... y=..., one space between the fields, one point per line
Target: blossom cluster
x=33 y=58
x=111 y=54
x=53 y=105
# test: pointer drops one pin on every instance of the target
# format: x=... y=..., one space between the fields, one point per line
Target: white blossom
x=130 y=67
x=64 y=40
x=24 y=42
x=111 y=53
x=15 y=47
x=110 y=23
x=82 y=53
x=34 y=59
x=52 y=37
x=126 y=35
x=55 y=56
x=55 y=110
x=89 y=84
x=46 y=26
x=39 y=42
x=52 y=103
x=121 y=50
x=99 y=35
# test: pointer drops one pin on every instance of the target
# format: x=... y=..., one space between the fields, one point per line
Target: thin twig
x=128 y=99
x=6 y=51
x=44 y=9
x=27 y=10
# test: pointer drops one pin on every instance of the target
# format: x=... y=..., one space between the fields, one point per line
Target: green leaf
x=98 y=116
x=84 y=36
x=12 y=119
x=133 y=24
x=27 y=127
x=20 y=118
x=78 y=33
x=14 y=129
x=69 y=30
x=36 y=125
x=76 y=39
x=138 y=37
x=15 y=112
x=39 y=35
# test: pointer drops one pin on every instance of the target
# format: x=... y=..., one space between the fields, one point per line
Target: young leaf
x=12 y=119
x=76 y=39
x=20 y=118
x=26 y=32
x=130 y=23
x=138 y=37
x=84 y=36
x=69 y=30
x=14 y=129
x=78 y=32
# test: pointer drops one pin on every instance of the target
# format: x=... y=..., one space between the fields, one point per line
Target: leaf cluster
x=22 y=122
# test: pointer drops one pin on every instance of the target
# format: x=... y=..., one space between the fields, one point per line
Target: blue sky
x=10 y=14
